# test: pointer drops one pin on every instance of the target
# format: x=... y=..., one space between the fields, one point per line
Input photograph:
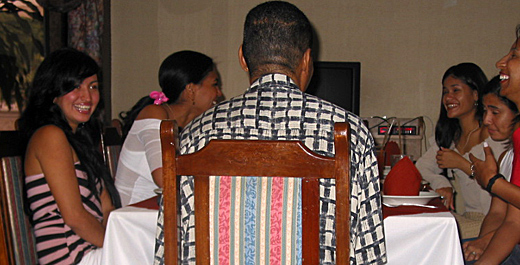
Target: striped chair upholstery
x=18 y=237
x=239 y=209
x=266 y=225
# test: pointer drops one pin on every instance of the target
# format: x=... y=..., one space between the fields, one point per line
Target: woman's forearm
x=86 y=226
x=507 y=191
x=501 y=244
x=505 y=239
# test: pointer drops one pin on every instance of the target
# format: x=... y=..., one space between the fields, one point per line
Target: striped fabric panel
x=21 y=229
x=56 y=243
x=258 y=220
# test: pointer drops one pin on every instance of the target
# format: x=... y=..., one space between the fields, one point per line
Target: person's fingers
x=470 y=255
x=488 y=151
x=473 y=159
x=465 y=245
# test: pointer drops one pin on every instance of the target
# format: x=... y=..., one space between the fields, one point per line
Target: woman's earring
x=476 y=104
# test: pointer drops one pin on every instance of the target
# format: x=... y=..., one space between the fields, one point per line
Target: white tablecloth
x=429 y=238
x=130 y=236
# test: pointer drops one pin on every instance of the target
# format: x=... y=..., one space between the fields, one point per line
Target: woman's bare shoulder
x=153 y=112
x=46 y=139
x=47 y=134
x=48 y=143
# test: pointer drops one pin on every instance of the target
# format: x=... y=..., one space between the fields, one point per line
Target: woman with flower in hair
x=190 y=85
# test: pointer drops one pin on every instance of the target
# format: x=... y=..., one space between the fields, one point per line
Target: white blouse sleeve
x=150 y=136
x=430 y=171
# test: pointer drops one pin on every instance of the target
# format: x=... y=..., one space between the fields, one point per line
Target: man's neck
x=258 y=74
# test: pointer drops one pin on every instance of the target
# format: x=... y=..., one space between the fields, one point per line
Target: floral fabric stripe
x=258 y=220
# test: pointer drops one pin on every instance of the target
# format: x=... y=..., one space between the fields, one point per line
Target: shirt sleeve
x=366 y=209
x=151 y=139
x=430 y=171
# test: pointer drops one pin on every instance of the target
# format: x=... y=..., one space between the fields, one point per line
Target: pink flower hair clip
x=159 y=97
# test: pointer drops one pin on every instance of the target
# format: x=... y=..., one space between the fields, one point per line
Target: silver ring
x=472 y=168
x=473 y=253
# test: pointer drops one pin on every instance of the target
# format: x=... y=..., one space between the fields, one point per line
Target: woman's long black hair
x=176 y=72
x=448 y=130
x=59 y=74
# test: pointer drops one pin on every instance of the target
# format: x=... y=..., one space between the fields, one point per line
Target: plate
x=158 y=191
x=423 y=198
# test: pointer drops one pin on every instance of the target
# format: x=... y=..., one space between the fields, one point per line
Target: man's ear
x=306 y=69
x=242 y=60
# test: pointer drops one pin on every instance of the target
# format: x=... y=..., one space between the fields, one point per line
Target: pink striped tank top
x=56 y=243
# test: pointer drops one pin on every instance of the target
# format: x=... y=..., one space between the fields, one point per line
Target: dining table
x=414 y=234
x=417 y=234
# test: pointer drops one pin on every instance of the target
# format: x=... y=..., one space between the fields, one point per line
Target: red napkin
x=384 y=158
x=403 y=180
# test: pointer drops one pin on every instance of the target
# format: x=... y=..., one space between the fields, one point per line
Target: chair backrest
x=111 y=143
x=18 y=243
x=256 y=158
x=118 y=124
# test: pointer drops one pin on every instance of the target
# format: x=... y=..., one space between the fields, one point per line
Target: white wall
x=404 y=46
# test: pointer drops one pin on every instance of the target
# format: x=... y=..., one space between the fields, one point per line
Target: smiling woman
x=79 y=104
x=458 y=133
x=509 y=67
x=69 y=189
x=190 y=85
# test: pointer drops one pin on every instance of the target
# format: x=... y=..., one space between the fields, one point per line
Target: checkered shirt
x=274 y=108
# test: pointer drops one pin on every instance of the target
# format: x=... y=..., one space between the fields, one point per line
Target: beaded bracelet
x=492 y=181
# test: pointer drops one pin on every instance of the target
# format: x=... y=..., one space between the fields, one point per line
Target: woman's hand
x=483 y=171
x=474 y=249
x=447 y=158
x=447 y=197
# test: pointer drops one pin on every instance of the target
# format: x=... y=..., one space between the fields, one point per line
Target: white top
x=506 y=165
x=140 y=156
x=476 y=199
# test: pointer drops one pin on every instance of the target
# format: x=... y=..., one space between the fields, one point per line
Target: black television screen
x=337 y=82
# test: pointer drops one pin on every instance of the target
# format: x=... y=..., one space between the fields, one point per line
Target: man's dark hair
x=275 y=34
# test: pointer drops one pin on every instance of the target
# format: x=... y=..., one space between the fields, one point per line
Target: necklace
x=469 y=137
x=171 y=111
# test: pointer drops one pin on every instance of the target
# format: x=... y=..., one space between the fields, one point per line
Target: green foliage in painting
x=21 y=48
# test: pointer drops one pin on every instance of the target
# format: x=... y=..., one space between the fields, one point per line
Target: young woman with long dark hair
x=459 y=132
x=69 y=188
x=190 y=85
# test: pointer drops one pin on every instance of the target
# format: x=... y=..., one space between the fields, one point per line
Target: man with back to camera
x=276 y=53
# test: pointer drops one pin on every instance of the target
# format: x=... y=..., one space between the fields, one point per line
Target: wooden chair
x=256 y=158
x=111 y=144
x=17 y=245
x=118 y=124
